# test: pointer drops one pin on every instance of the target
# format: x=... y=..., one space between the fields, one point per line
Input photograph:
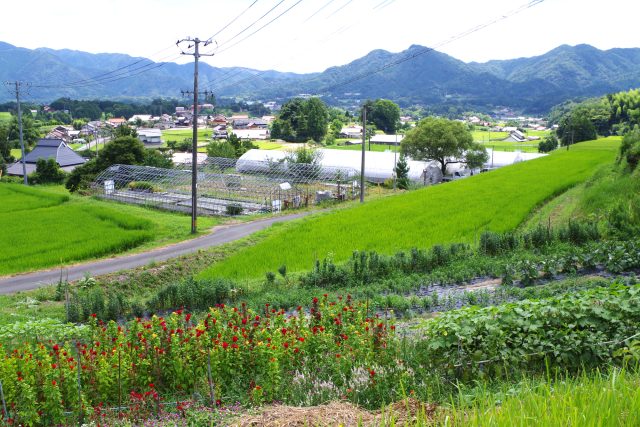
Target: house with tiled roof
x=47 y=149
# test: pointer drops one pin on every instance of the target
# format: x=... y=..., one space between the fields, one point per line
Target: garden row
x=417 y=280
x=332 y=348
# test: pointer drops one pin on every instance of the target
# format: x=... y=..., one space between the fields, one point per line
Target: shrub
x=234 y=209
x=143 y=186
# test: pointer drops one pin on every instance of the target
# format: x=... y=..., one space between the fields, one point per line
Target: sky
x=312 y=35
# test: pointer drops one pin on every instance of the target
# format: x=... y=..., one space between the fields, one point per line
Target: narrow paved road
x=219 y=236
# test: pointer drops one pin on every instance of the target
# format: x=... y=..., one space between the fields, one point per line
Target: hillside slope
x=454 y=212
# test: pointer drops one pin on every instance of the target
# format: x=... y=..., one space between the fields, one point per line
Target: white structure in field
x=378 y=165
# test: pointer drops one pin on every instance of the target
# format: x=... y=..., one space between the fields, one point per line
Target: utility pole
x=194 y=158
x=17 y=85
x=364 y=137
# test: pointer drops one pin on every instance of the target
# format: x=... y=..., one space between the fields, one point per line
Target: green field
x=454 y=212
x=5 y=117
x=180 y=135
x=525 y=147
x=50 y=228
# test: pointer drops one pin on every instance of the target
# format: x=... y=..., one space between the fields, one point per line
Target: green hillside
x=455 y=212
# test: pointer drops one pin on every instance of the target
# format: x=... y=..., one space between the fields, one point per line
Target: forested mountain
x=419 y=77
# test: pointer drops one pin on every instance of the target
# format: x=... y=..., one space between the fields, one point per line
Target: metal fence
x=228 y=186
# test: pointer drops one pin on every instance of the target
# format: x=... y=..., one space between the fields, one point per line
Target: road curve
x=220 y=235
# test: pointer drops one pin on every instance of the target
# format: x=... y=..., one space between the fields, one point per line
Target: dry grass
x=406 y=412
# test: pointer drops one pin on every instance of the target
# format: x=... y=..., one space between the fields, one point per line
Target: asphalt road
x=221 y=235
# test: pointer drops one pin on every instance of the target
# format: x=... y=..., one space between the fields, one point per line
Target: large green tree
x=301 y=120
x=317 y=119
x=385 y=114
x=576 y=127
x=445 y=141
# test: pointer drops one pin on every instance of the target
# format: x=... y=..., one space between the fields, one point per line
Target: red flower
x=225 y=345
x=56 y=347
x=235 y=338
x=301 y=339
x=187 y=317
x=286 y=345
x=315 y=300
x=372 y=373
x=53 y=382
x=151 y=385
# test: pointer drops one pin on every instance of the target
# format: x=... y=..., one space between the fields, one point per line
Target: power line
x=107 y=75
x=232 y=21
x=261 y=28
x=431 y=49
x=253 y=23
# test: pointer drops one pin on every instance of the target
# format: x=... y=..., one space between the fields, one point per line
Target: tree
x=48 y=172
x=630 y=148
x=301 y=120
x=157 y=159
x=125 y=150
x=385 y=114
x=125 y=130
x=221 y=149
x=549 y=143
x=576 y=127
x=82 y=176
x=316 y=119
x=444 y=141
x=402 y=173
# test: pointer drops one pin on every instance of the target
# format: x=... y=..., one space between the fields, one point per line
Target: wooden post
x=4 y=403
x=212 y=395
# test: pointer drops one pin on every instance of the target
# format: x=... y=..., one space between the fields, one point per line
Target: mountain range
x=417 y=75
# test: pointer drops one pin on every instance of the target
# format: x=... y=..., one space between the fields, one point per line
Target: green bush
x=144 y=186
x=234 y=209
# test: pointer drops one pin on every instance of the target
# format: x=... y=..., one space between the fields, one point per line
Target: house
x=249 y=123
x=218 y=119
x=516 y=136
x=47 y=149
x=116 y=122
x=60 y=132
x=150 y=136
x=268 y=119
x=351 y=132
x=386 y=139
x=261 y=134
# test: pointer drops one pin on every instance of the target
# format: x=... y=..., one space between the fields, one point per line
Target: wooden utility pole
x=364 y=138
x=18 y=85
x=194 y=157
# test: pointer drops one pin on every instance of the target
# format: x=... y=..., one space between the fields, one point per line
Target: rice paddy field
x=5 y=117
x=46 y=227
x=455 y=212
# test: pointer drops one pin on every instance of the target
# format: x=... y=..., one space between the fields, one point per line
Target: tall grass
x=14 y=198
x=597 y=399
x=456 y=212
x=45 y=237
